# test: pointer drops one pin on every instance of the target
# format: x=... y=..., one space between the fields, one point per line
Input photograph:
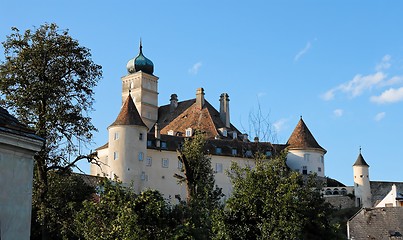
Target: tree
x=120 y=214
x=47 y=80
x=272 y=202
x=203 y=197
x=65 y=196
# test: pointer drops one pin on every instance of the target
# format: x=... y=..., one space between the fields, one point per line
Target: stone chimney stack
x=200 y=98
x=224 y=109
x=174 y=102
x=157 y=135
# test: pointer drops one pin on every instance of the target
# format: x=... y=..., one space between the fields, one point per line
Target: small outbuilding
x=18 y=145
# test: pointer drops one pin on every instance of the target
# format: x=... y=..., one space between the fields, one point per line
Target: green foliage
x=120 y=214
x=47 y=80
x=272 y=202
x=65 y=197
x=203 y=197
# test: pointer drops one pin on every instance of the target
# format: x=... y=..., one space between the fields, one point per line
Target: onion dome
x=140 y=63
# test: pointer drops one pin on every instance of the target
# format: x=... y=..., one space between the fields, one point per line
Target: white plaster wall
x=16 y=174
x=126 y=167
x=296 y=161
x=362 y=187
x=390 y=198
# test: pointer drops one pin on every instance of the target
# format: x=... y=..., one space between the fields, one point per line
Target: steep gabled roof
x=188 y=115
x=10 y=124
x=128 y=114
x=360 y=161
x=302 y=138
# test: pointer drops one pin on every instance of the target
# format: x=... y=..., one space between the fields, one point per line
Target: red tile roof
x=128 y=114
x=302 y=138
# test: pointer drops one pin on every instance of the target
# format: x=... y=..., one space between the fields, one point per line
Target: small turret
x=305 y=155
x=362 y=187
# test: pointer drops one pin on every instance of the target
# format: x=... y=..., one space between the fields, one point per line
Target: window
x=165 y=163
x=149 y=161
x=306 y=157
x=149 y=143
x=171 y=132
x=143 y=176
x=268 y=154
x=218 y=167
x=319 y=169
x=148 y=114
x=224 y=133
x=180 y=165
x=141 y=136
x=164 y=145
x=116 y=136
x=248 y=153
x=234 y=151
x=304 y=170
x=218 y=150
x=234 y=135
x=141 y=155
x=115 y=155
x=321 y=159
x=189 y=132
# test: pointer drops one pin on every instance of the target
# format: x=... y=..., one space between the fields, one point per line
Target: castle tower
x=143 y=86
x=362 y=187
x=127 y=145
x=305 y=155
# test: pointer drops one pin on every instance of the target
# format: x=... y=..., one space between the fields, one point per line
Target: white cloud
x=303 y=51
x=280 y=124
x=357 y=85
x=384 y=64
x=195 y=68
x=379 y=116
x=391 y=95
x=338 y=112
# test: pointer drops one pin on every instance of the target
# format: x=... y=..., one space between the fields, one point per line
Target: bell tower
x=143 y=86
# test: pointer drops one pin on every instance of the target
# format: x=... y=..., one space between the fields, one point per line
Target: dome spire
x=140 y=63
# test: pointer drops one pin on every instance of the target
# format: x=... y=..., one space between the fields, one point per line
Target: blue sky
x=339 y=64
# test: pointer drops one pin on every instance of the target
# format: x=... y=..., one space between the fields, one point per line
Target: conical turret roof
x=360 y=161
x=302 y=138
x=128 y=114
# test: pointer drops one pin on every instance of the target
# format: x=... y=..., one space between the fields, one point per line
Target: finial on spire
x=360 y=149
x=141 y=46
x=300 y=117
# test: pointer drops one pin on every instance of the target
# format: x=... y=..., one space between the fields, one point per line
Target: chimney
x=157 y=135
x=200 y=98
x=174 y=102
x=224 y=109
x=256 y=139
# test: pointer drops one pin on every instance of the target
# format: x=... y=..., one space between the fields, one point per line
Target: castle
x=143 y=139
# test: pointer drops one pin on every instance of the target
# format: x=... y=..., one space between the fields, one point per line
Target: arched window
x=343 y=191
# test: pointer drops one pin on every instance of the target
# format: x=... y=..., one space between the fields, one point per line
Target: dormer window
x=234 y=151
x=234 y=135
x=189 y=132
x=163 y=145
x=218 y=150
x=224 y=132
x=171 y=132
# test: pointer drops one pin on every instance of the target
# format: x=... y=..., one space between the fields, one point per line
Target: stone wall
x=340 y=202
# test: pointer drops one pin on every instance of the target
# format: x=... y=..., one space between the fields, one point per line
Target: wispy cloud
x=379 y=80
x=384 y=64
x=195 y=68
x=280 y=124
x=379 y=116
x=391 y=95
x=356 y=86
x=338 y=112
x=303 y=51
